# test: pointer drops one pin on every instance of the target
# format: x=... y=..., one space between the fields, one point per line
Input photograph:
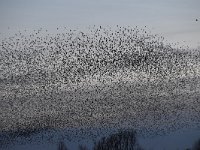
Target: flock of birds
x=72 y=56
x=101 y=77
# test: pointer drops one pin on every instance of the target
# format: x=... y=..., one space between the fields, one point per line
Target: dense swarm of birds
x=101 y=77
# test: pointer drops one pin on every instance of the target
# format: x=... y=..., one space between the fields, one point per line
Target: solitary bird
x=196 y=19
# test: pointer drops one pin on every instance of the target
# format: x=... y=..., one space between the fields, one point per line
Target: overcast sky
x=174 y=19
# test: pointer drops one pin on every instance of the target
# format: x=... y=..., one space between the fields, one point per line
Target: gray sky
x=174 y=19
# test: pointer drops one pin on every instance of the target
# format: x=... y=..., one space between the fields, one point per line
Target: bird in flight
x=196 y=19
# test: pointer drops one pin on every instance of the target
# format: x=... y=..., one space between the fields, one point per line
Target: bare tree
x=124 y=140
x=62 y=146
x=83 y=147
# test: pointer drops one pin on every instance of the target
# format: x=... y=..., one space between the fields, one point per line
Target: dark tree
x=62 y=146
x=197 y=145
x=83 y=147
x=124 y=140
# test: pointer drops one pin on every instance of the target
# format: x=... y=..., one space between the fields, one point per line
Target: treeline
x=123 y=140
